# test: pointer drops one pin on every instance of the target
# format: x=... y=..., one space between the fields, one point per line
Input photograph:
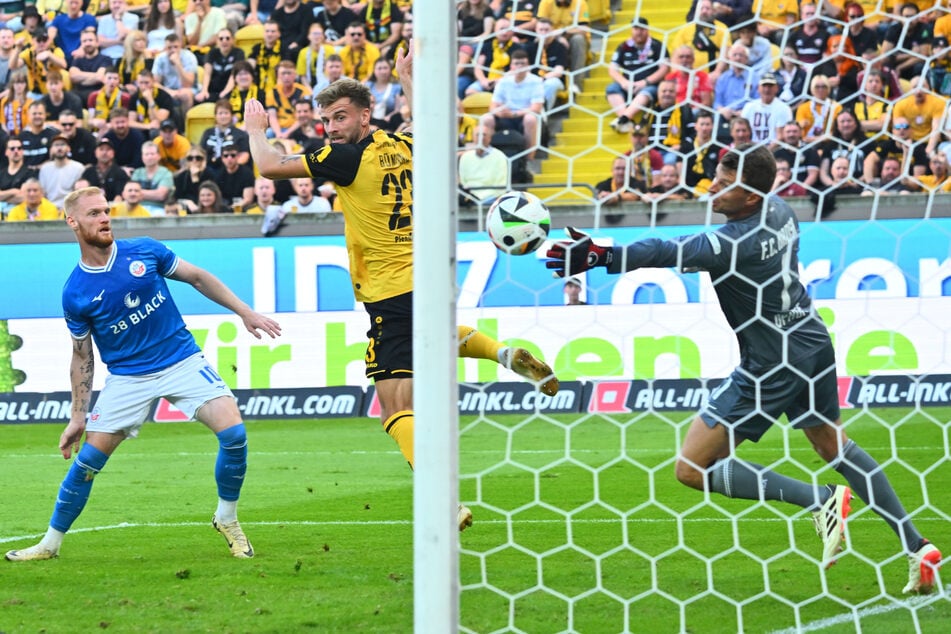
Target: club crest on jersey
x=131 y=301
x=137 y=269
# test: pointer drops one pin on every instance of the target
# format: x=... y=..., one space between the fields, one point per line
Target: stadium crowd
x=852 y=97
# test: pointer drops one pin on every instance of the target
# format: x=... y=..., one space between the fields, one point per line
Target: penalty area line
x=876 y=610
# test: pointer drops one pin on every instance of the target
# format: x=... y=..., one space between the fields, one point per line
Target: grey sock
x=869 y=482
x=748 y=481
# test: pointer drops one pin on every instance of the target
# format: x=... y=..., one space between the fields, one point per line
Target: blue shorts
x=806 y=391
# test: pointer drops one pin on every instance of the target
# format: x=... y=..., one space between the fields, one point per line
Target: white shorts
x=126 y=401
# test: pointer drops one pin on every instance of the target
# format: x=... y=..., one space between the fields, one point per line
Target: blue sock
x=74 y=491
x=232 y=461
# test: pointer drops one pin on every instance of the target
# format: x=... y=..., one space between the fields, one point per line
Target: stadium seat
x=248 y=36
x=477 y=103
x=198 y=119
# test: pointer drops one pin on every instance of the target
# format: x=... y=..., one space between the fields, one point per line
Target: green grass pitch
x=580 y=526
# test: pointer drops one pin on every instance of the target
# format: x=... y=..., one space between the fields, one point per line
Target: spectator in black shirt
x=849 y=141
x=549 y=58
x=804 y=161
x=213 y=139
x=150 y=105
x=36 y=136
x=638 y=65
x=126 y=141
x=335 y=19
x=189 y=180
x=87 y=66
x=295 y=20
x=621 y=186
x=809 y=40
x=82 y=144
x=236 y=181
x=57 y=99
x=474 y=18
x=13 y=176
x=219 y=62
x=907 y=43
x=105 y=173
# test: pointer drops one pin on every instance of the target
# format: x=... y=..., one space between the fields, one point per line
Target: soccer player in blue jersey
x=117 y=296
x=787 y=362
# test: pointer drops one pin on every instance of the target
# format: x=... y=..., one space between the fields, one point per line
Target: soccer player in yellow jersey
x=372 y=172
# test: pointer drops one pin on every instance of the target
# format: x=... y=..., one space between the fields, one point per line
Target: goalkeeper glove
x=570 y=257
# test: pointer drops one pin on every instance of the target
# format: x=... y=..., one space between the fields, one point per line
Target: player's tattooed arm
x=81 y=373
x=81 y=370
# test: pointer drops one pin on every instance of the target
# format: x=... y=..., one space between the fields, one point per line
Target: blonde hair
x=71 y=204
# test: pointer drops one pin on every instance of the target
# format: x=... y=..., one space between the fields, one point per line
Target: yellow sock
x=400 y=427
x=476 y=345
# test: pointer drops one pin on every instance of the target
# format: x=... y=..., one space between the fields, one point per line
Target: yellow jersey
x=374 y=182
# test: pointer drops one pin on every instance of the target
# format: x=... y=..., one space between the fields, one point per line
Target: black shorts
x=807 y=391
x=390 y=349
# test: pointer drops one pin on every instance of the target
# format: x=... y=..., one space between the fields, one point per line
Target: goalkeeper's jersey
x=754 y=266
x=128 y=309
x=374 y=180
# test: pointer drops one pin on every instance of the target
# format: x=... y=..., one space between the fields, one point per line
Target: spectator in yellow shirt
x=131 y=204
x=172 y=146
x=358 y=55
x=937 y=181
x=35 y=205
x=709 y=39
x=924 y=111
x=39 y=59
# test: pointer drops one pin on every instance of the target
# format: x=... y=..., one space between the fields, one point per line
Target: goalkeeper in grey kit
x=787 y=362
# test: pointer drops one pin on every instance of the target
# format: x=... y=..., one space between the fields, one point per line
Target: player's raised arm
x=269 y=160
x=404 y=69
x=215 y=290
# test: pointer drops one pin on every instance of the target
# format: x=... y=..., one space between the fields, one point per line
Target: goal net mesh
x=580 y=523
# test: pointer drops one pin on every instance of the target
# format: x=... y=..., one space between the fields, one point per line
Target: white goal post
x=435 y=482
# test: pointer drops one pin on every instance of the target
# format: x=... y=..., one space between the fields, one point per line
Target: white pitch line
x=464 y=452
x=841 y=619
x=123 y=525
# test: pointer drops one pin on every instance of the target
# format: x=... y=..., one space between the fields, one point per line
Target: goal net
x=580 y=523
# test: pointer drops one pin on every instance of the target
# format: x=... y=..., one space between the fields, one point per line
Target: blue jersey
x=754 y=266
x=128 y=309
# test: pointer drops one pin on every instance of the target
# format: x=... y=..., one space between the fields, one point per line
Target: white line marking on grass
x=464 y=452
x=876 y=610
x=123 y=525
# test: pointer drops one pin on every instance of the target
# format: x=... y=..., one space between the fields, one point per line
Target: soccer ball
x=518 y=223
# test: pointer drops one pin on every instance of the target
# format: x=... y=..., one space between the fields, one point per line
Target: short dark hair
x=119 y=112
x=519 y=53
x=242 y=66
x=755 y=164
x=358 y=93
x=223 y=104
